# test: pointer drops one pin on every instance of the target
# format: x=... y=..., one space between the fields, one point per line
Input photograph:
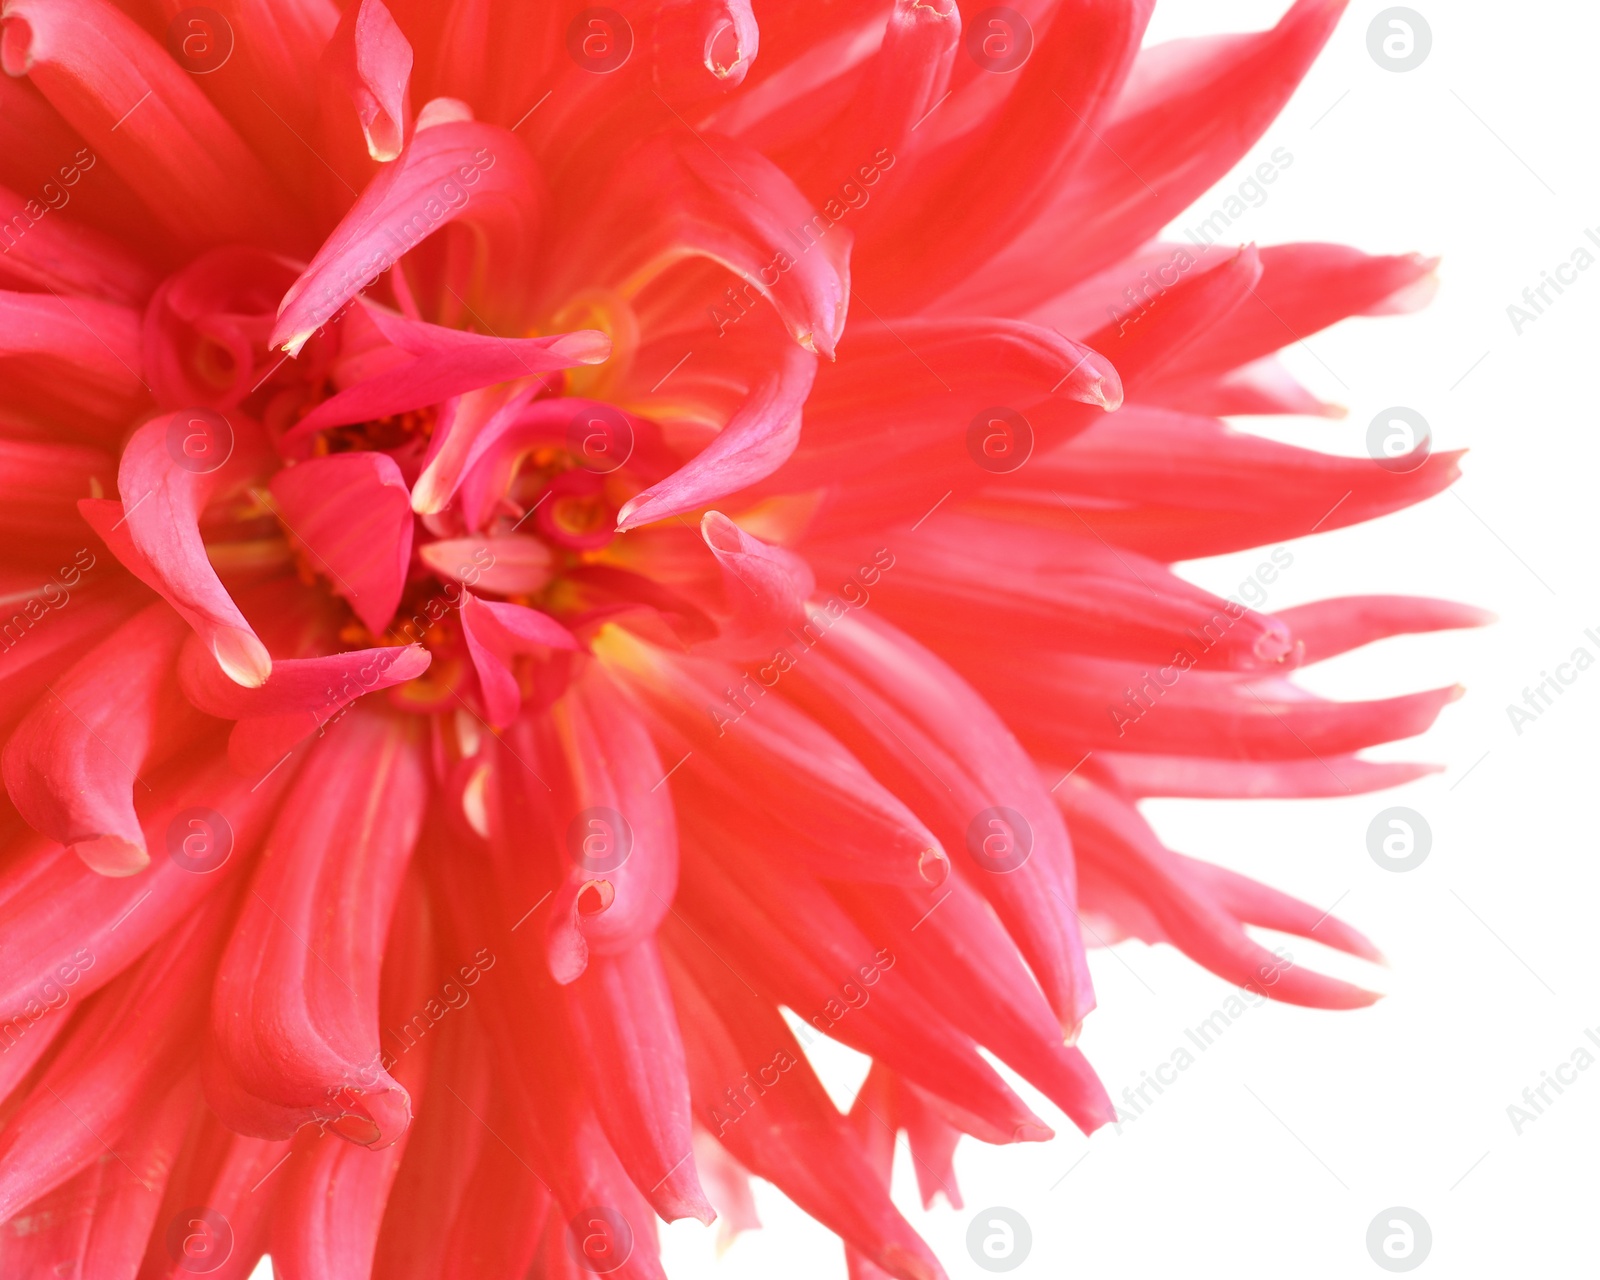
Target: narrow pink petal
x=447 y=362
x=294 y=1014
x=90 y=346
x=1328 y=628
x=496 y=633
x=814 y=793
x=789 y=938
x=616 y=827
x=1008 y=169
x=1191 y=110
x=931 y=736
x=352 y=514
x=299 y=698
x=756 y=441
x=510 y=564
x=1202 y=778
x=73 y=764
x=1188 y=903
x=458 y=170
x=371 y=58
x=232 y=1175
x=40 y=485
x=102 y=1219
x=62 y=256
x=158 y=536
x=466 y=426
x=56 y=636
x=266 y=83
x=755 y=1092
x=149 y=118
x=631 y=1054
x=729 y=204
x=63 y=926
x=134 y=1038
x=766 y=588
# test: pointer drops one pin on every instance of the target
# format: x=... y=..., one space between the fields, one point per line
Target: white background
x=1275 y=1151
x=1405 y=1103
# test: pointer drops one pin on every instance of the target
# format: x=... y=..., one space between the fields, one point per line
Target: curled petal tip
x=113 y=855
x=243 y=658
x=442 y=111
x=586 y=346
x=1108 y=397
x=359 y=1129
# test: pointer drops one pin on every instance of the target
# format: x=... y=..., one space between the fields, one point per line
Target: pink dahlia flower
x=464 y=706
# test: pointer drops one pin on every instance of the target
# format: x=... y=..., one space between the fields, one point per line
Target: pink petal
x=63 y=925
x=756 y=441
x=299 y=698
x=294 y=1014
x=447 y=362
x=631 y=1053
x=476 y=173
x=158 y=540
x=371 y=57
x=73 y=764
x=352 y=514
x=511 y=564
x=496 y=633
x=148 y=118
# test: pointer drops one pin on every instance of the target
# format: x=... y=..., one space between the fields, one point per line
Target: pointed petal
x=149 y=118
x=371 y=58
x=58 y=918
x=352 y=513
x=1119 y=845
x=631 y=1054
x=301 y=696
x=755 y=1092
x=765 y=587
x=294 y=1014
x=446 y=362
x=1190 y=111
x=72 y=765
x=1328 y=628
x=757 y=440
x=160 y=525
x=459 y=170
x=496 y=633
x=924 y=730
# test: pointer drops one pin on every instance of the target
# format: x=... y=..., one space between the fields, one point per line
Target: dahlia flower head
x=586 y=547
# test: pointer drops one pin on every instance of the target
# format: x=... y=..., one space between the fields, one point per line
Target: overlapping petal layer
x=537 y=548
